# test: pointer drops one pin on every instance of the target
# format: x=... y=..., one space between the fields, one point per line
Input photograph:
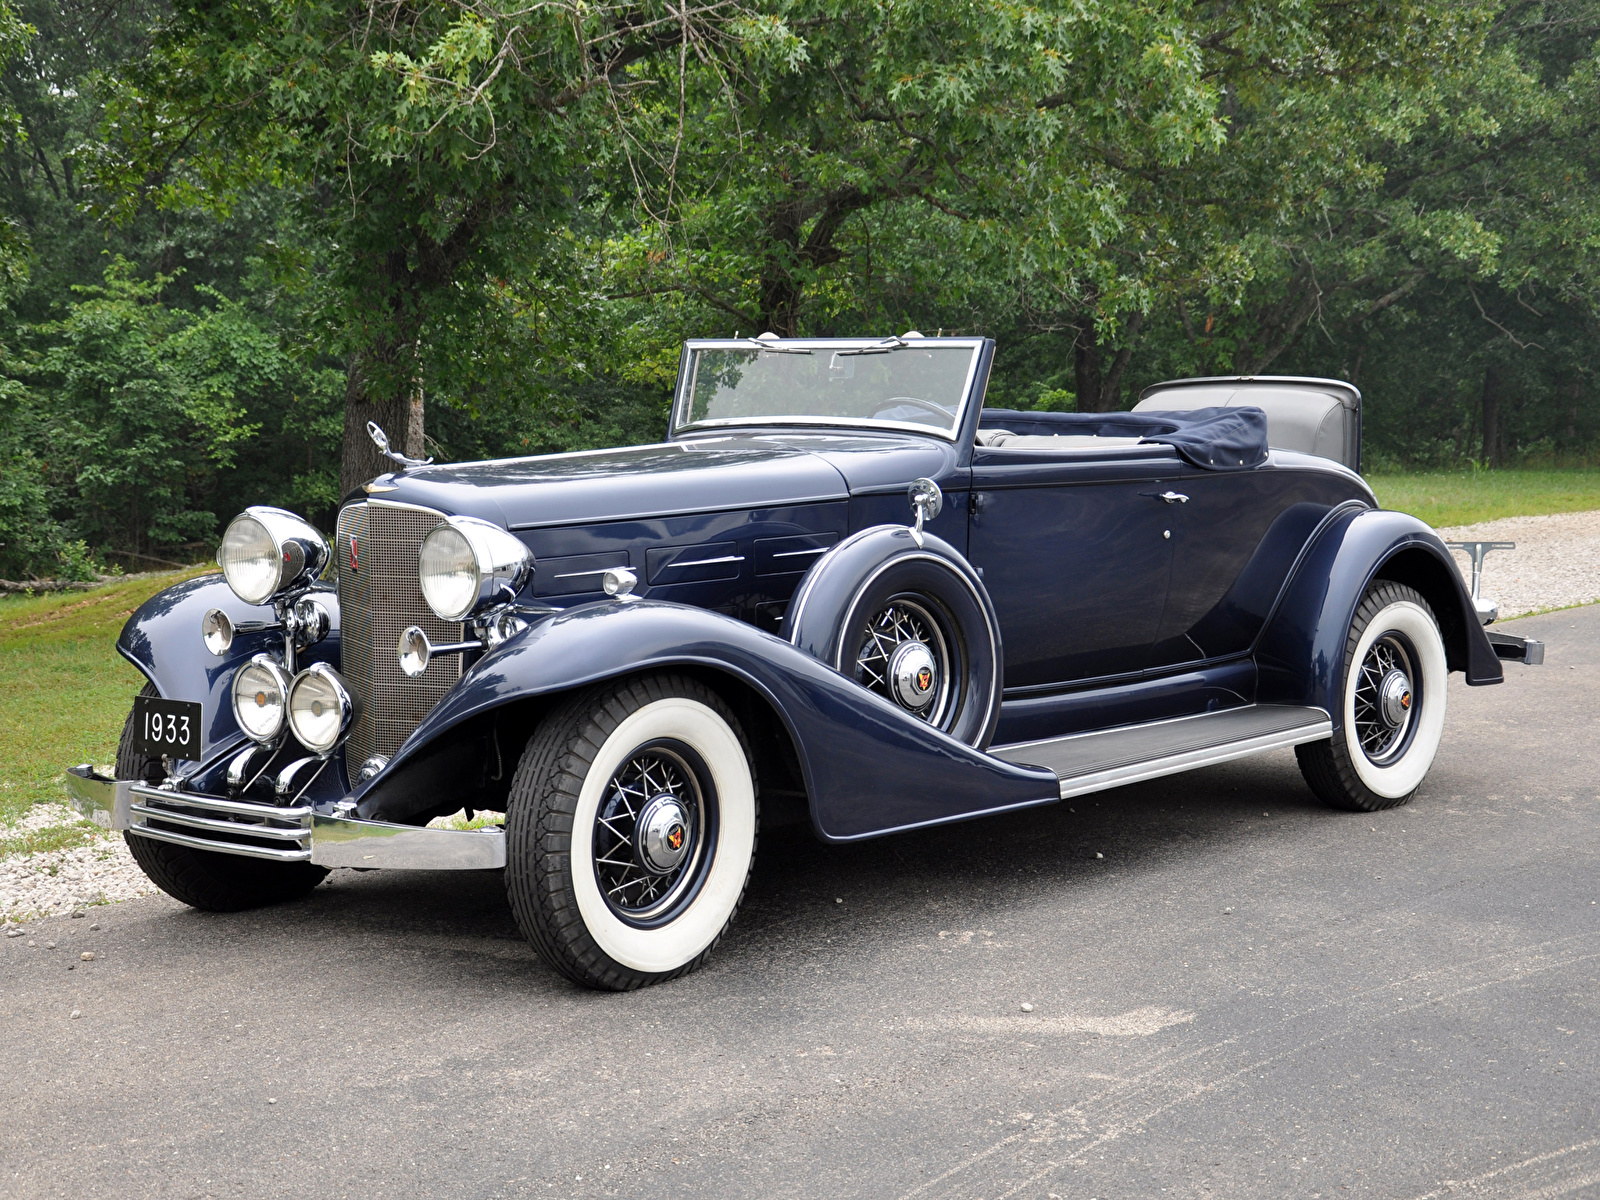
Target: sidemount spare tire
x=911 y=622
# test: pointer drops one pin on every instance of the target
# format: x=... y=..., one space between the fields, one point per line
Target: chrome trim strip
x=270 y=832
x=1210 y=756
x=216 y=804
x=701 y=562
x=344 y=842
x=199 y=843
x=799 y=553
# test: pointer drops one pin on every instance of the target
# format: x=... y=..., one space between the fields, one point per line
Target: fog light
x=260 y=691
x=320 y=708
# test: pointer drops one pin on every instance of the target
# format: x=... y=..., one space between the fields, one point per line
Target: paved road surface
x=1249 y=995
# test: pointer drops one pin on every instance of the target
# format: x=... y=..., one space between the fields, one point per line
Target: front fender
x=162 y=639
x=869 y=768
x=1300 y=655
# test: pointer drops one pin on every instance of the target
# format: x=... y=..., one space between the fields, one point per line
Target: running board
x=1108 y=758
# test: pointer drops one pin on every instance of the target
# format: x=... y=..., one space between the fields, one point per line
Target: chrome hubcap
x=1386 y=699
x=651 y=832
x=661 y=835
x=1394 y=698
x=904 y=658
x=913 y=674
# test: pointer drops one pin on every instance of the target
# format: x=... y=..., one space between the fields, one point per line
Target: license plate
x=167 y=727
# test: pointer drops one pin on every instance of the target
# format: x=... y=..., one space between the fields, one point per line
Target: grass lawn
x=1446 y=498
x=67 y=694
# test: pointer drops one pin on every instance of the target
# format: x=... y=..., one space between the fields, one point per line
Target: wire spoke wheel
x=651 y=832
x=904 y=656
x=1385 y=699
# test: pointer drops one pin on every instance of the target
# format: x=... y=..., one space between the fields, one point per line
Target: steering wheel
x=944 y=414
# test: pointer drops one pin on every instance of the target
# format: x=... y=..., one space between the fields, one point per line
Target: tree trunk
x=1100 y=389
x=1086 y=369
x=383 y=382
x=1491 y=416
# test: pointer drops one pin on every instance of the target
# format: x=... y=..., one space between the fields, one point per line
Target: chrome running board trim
x=1108 y=758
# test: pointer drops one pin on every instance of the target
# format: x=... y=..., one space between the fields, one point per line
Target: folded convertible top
x=1218 y=439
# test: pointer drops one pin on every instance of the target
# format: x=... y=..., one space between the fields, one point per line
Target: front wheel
x=630 y=830
x=1393 y=699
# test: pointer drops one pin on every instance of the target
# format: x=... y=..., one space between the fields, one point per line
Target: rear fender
x=1300 y=655
x=162 y=639
x=868 y=767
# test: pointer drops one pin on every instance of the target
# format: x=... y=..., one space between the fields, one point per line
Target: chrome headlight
x=320 y=708
x=267 y=550
x=260 y=698
x=466 y=565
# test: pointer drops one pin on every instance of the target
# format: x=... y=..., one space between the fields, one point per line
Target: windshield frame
x=684 y=391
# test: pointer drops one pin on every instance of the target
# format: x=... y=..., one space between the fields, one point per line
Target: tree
x=434 y=145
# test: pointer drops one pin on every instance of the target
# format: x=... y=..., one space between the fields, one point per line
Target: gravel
x=55 y=882
x=1556 y=563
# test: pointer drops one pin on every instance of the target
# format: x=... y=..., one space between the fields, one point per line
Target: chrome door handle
x=1174 y=497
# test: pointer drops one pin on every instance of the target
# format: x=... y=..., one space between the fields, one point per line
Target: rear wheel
x=630 y=831
x=1395 y=675
x=205 y=879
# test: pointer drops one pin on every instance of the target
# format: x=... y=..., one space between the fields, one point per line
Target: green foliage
x=508 y=218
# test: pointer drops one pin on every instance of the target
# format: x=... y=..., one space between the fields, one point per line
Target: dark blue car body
x=1116 y=608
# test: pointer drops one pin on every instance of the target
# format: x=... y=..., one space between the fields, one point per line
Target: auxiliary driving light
x=260 y=697
x=320 y=708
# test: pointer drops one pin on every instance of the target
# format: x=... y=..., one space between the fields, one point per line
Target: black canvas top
x=1218 y=439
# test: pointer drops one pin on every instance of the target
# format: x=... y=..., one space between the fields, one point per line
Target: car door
x=1075 y=549
x=1234 y=540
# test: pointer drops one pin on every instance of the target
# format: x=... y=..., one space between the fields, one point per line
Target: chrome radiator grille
x=378 y=598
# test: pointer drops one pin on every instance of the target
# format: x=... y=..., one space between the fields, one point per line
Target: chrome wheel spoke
x=653 y=777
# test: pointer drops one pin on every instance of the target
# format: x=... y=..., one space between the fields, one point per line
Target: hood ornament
x=380 y=439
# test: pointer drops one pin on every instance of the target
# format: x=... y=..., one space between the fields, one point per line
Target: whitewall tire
x=631 y=830
x=1393 y=701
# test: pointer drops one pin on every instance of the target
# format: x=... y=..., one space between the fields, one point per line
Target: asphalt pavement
x=1247 y=995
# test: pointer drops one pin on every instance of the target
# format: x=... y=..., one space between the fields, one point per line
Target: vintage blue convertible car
x=842 y=588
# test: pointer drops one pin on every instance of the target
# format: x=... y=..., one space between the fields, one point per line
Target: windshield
x=916 y=383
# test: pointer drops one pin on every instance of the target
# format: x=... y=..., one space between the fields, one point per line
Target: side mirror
x=927 y=501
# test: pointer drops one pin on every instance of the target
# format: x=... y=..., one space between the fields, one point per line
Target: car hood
x=612 y=485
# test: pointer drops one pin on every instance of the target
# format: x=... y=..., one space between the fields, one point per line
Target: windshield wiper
x=883 y=347
x=775 y=348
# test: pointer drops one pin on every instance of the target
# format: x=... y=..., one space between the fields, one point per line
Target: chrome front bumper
x=266 y=831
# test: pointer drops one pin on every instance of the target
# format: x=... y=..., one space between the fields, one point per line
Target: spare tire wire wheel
x=905 y=657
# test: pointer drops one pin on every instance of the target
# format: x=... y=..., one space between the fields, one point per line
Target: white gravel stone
x=54 y=882
x=1556 y=563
